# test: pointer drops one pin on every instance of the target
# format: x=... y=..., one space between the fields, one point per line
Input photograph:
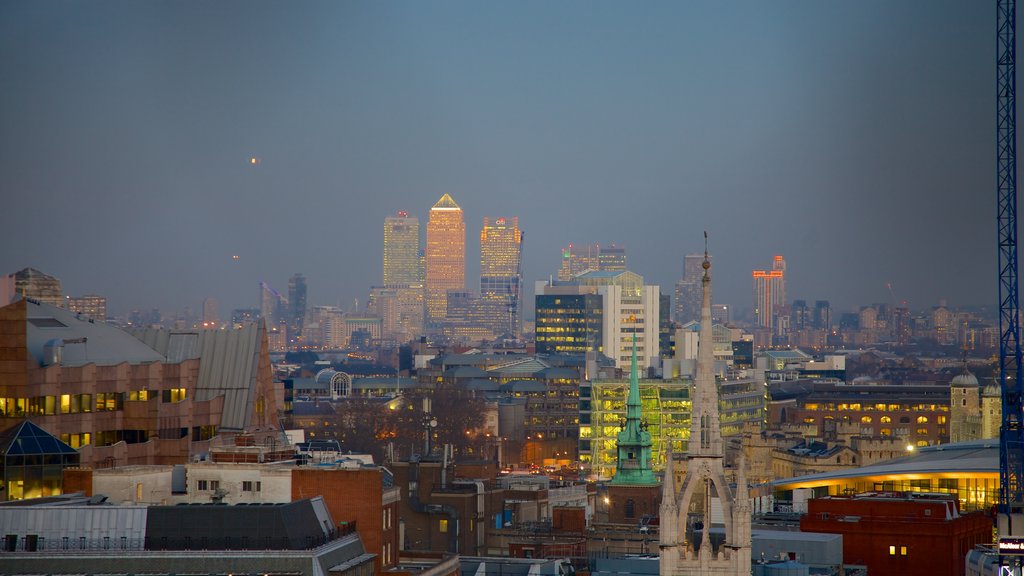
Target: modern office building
x=569 y=323
x=445 y=257
x=501 y=275
x=273 y=307
x=401 y=249
x=769 y=293
x=577 y=259
x=93 y=306
x=31 y=283
x=630 y=308
x=612 y=258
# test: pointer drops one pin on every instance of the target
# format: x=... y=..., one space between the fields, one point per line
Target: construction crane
x=1010 y=517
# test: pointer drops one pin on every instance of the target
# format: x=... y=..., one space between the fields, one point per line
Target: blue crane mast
x=1010 y=521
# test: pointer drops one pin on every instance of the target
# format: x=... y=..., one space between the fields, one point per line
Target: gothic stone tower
x=705 y=476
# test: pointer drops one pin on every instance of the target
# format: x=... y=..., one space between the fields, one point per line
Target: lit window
x=903 y=550
x=443 y=525
x=892 y=550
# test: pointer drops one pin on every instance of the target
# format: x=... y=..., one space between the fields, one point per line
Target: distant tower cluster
x=577 y=260
x=501 y=277
x=769 y=293
x=445 y=256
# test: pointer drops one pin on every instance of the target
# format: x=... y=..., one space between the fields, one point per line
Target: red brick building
x=904 y=533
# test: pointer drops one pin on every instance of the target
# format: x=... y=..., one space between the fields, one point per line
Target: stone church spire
x=705 y=477
x=634 y=441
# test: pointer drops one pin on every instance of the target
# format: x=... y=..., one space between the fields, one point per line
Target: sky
x=856 y=139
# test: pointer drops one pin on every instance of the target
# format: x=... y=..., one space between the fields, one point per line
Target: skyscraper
x=296 y=306
x=769 y=292
x=273 y=307
x=401 y=249
x=31 y=283
x=577 y=260
x=445 y=256
x=501 y=277
x=687 y=307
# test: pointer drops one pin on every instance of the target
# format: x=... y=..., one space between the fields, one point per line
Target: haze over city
x=853 y=138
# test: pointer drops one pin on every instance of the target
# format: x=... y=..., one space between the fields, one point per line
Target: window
x=922 y=419
x=202 y=485
x=248 y=486
x=442 y=525
x=892 y=550
x=630 y=508
x=903 y=550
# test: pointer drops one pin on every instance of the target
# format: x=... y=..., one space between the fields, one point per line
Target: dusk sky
x=854 y=138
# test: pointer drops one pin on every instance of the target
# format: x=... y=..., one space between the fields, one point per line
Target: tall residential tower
x=769 y=292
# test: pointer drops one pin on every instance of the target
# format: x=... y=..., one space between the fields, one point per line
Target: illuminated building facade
x=577 y=260
x=95 y=307
x=31 y=283
x=612 y=258
x=630 y=308
x=501 y=277
x=445 y=256
x=569 y=323
x=401 y=249
x=769 y=292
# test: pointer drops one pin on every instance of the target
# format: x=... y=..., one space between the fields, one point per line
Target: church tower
x=705 y=476
x=634 y=492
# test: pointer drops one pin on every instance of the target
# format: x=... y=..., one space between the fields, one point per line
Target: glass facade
x=569 y=323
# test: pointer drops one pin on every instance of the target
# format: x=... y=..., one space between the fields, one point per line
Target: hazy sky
x=854 y=138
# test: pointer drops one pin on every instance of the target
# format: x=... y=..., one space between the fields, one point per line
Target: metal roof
x=978 y=456
x=228 y=365
x=81 y=341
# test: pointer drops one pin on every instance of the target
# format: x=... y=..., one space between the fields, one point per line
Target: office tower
x=210 y=316
x=90 y=305
x=769 y=293
x=569 y=323
x=687 y=308
x=628 y=307
x=822 y=315
x=720 y=314
x=704 y=470
x=31 y=283
x=445 y=257
x=501 y=276
x=296 y=306
x=799 y=315
x=401 y=249
x=577 y=260
x=612 y=258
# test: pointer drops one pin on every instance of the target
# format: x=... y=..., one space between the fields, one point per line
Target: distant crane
x=1010 y=519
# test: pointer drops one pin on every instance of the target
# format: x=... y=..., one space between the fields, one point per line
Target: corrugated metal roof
x=228 y=365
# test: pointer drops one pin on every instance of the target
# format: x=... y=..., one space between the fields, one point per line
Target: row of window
x=78 y=403
x=857 y=407
x=214 y=485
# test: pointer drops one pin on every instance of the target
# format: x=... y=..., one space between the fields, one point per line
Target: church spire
x=634 y=441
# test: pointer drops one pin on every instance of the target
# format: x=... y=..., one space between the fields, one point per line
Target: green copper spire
x=634 y=462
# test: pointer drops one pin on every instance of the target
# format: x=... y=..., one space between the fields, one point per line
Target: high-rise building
x=569 y=323
x=210 y=315
x=612 y=258
x=769 y=293
x=273 y=307
x=296 y=306
x=577 y=260
x=501 y=276
x=90 y=305
x=822 y=315
x=687 y=308
x=31 y=283
x=401 y=249
x=445 y=258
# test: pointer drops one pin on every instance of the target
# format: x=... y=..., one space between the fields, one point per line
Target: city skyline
x=136 y=165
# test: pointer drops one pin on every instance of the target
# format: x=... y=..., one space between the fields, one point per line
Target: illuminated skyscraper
x=31 y=283
x=401 y=249
x=501 y=278
x=769 y=292
x=577 y=260
x=90 y=305
x=445 y=256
